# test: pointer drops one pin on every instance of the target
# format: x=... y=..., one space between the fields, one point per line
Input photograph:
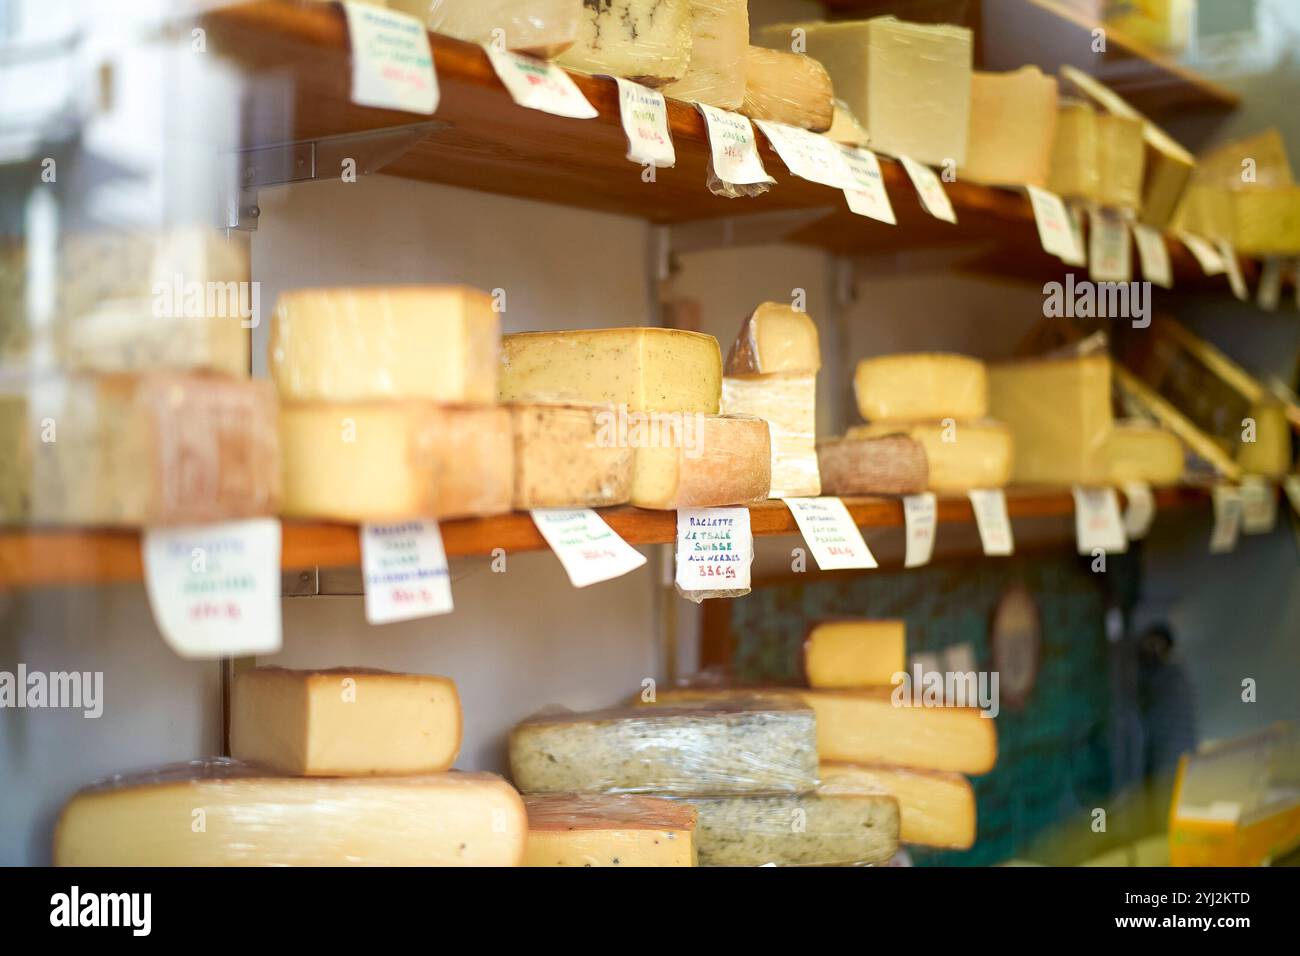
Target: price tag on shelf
x=1153 y=254
x=404 y=570
x=990 y=507
x=1097 y=524
x=1109 y=257
x=1140 y=511
x=832 y=536
x=1269 y=294
x=392 y=64
x=590 y=550
x=1232 y=265
x=1075 y=214
x=808 y=155
x=1227 y=519
x=539 y=85
x=868 y=196
x=733 y=147
x=215 y=589
x=645 y=121
x=1258 y=505
x=1054 y=229
x=1206 y=256
x=930 y=189
x=921 y=516
x=715 y=548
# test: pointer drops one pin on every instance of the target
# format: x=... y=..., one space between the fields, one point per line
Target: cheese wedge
x=719 y=39
x=711 y=461
x=854 y=653
x=922 y=385
x=788 y=403
x=1012 y=127
x=569 y=456
x=219 y=812
x=1141 y=452
x=887 y=465
x=592 y=829
x=343 y=345
x=775 y=339
x=644 y=40
x=540 y=28
x=960 y=456
x=934 y=808
x=345 y=722
x=789 y=88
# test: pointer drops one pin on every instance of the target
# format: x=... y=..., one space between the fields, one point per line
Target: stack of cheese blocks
x=745 y=771
x=345 y=767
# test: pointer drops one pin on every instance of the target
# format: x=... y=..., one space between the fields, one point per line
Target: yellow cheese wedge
x=889 y=464
x=540 y=28
x=345 y=722
x=960 y=456
x=934 y=808
x=788 y=403
x=775 y=338
x=854 y=653
x=714 y=460
x=789 y=88
x=219 y=812
x=433 y=342
x=592 y=829
x=1012 y=127
x=569 y=456
x=918 y=386
x=1142 y=452
x=719 y=39
x=646 y=42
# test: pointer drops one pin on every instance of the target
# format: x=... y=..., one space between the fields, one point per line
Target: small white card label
x=1269 y=294
x=645 y=121
x=1232 y=265
x=392 y=64
x=990 y=507
x=1140 y=509
x=921 y=516
x=715 y=548
x=808 y=155
x=539 y=85
x=215 y=589
x=1258 y=505
x=868 y=197
x=1153 y=254
x=1206 y=256
x=590 y=550
x=1075 y=213
x=733 y=147
x=1097 y=524
x=933 y=197
x=1053 y=221
x=1291 y=484
x=1110 y=258
x=404 y=570
x=832 y=536
x=1227 y=519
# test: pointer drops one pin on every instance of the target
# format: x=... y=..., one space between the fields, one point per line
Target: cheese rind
x=1012 y=127
x=253 y=818
x=1138 y=451
x=719 y=40
x=934 y=808
x=775 y=338
x=344 y=722
x=542 y=28
x=921 y=386
x=788 y=403
x=959 y=456
x=724 y=460
x=789 y=88
x=854 y=653
x=885 y=465
x=589 y=829
x=569 y=456
x=644 y=40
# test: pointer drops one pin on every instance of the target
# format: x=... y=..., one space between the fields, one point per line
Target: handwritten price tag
x=832 y=536
x=715 y=548
x=868 y=196
x=1097 y=524
x=1054 y=228
x=1227 y=519
x=1258 y=505
x=921 y=516
x=930 y=189
x=1140 y=511
x=1109 y=257
x=1232 y=266
x=733 y=148
x=590 y=550
x=1206 y=255
x=539 y=85
x=645 y=121
x=808 y=155
x=1154 y=256
x=392 y=64
x=404 y=568
x=990 y=507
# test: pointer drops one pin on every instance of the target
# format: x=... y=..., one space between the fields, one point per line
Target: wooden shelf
x=40 y=557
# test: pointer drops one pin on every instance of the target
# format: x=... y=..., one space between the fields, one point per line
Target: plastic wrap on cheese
x=648 y=41
x=921 y=386
x=890 y=464
x=719 y=39
x=733 y=747
x=790 y=88
x=701 y=461
x=537 y=27
x=788 y=402
x=601 y=829
x=960 y=455
x=219 y=812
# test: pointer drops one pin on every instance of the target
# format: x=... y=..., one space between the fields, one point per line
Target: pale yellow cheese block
x=715 y=460
x=344 y=722
x=719 y=40
x=789 y=88
x=918 y=386
x=1254 y=220
x=1142 y=452
x=1074 y=173
x=569 y=456
x=593 y=829
x=854 y=653
x=788 y=403
x=1012 y=127
x=356 y=344
x=1121 y=161
x=644 y=40
x=645 y=369
x=934 y=808
x=537 y=27
x=775 y=338
x=219 y=812
x=961 y=456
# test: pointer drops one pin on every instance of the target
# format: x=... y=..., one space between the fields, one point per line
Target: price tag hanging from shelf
x=715 y=548
x=644 y=114
x=1110 y=258
x=1153 y=254
x=392 y=64
x=990 y=507
x=539 y=85
x=1097 y=524
x=832 y=536
x=868 y=196
x=1206 y=256
x=930 y=189
x=1054 y=229
x=921 y=516
x=1140 y=511
x=588 y=548
x=808 y=155
x=1232 y=266
x=733 y=155
x=1258 y=505
x=1227 y=519
x=404 y=568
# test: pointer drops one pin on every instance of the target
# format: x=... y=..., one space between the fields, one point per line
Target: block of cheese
x=1139 y=451
x=597 y=829
x=704 y=461
x=922 y=385
x=392 y=460
x=1224 y=165
x=960 y=456
x=775 y=338
x=341 y=345
x=789 y=88
x=1059 y=413
x=1254 y=220
x=646 y=369
x=541 y=28
x=569 y=456
x=1012 y=127
x=719 y=39
x=934 y=808
x=845 y=127
x=644 y=40
x=805 y=829
x=1074 y=173
x=1121 y=161
x=788 y=402
x=884 y=465
x=741 y=746
x=220 y=812
x=855 y=653
x=159 y=448
x=344 y=722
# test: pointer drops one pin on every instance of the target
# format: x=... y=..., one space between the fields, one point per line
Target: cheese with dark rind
x=959 y=456
x=885 y=465
x=725 y=460
x=596 y=829
x=775 y=338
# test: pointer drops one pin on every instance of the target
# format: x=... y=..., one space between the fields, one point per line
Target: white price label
x=921 y=516
x=392 y=64
x=1140 y=510
x=1232 y=265
x=733 y=147
x=715 y=548
x=1109 y=257
x=990 y=507
x=933 y=197
x=1227 y=519
x=1154 y=256
x=1206 y=256
x=1076 y=229
x=1291 y=484
x=832 y=536
x=1258 y=505
x=808 y=155
x=404 y=570
x=1097 y=524
x=868 y=196
x=645 y=121
x=539 y=85
x=590 y=550
x=215 y=589
x=1055 y=231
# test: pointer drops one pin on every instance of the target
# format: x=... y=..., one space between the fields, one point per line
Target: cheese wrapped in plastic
x=719 y=40
x=921 y=386
x=934 y=808
x=1012 y=127
x=644 y=40
x=541 y=28
x=960 y=455
x=704 y=461
x=889 y=464
x=600 y=829
x=790 y=88
x=735 y=747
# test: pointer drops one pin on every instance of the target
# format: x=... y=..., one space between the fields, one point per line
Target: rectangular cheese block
x=644 y=40
x=719 y=40
x=887 y=465
x=645 y=369
x=596 y=829
x=1074 y=171
x=219 y=812
x=159 y=448
x=1139 y=451
x=919 y=386
x=1059 y=413
x=1012 y=127
x=1223 y=165
x=344 y=722
x=788 y=403
x=569 y=456
x=393 y=460
x=1254 y=220
x=775 y=338
x=855 y=653
x=1121 y=161
x=960 y=455
x=708 y=462
x=934 y=808
x=541 y=28
x=736 y=747
x=434 y=342
x=788 y=88
x=805 y=829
